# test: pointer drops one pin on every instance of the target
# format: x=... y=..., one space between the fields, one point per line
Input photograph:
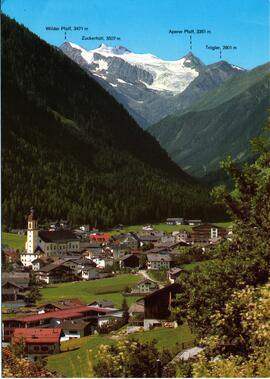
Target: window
x=73 y=332
x=44 y=348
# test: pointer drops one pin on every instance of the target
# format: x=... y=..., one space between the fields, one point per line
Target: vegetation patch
x=15 y=241
x=88 y=291
x=87 y=347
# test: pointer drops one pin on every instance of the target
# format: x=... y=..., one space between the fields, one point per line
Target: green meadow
x=15 y=241
x=79 y=356
x=88 y=291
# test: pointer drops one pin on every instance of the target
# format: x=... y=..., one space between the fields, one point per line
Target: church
x=47 y=243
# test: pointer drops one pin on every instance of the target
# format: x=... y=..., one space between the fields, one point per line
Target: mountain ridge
x=220 y=123
x=140 y=81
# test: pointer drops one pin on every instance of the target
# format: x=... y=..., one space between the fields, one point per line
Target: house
x=148 y=228
x=77 y=264
x=114 y=314
x=145 y=286
x=129 y=261
x=102 y=304
x=12 y=292
x=54 y=318
x=103 y=262
x=59 y=305
x=94 y=251
x=14 y=286
x=126 y=241
x=204 y=233
x=157 y=305
x=10 y=256
x=174 y=273
x=75 y=329
x=38 y=263
x=89 y=273
x=56 y=272
x=149 y=239
x=158 y=261
x=193 y=222
x=38 y=342
x=175 y=221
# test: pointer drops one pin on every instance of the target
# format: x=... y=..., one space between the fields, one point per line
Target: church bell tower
x=32 y=232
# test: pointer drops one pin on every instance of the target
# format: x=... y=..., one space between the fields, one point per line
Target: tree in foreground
x=240 y=346
x=130 y=359
x=15 y=367
x=243 y=261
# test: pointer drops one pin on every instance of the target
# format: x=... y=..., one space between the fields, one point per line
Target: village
x=152 y=261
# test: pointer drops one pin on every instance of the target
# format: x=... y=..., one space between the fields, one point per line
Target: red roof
x=62 y=314
x=37 y=335
x=11 y=253
x=100 y=237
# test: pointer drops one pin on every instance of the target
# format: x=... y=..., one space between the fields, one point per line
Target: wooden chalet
x=204 y=233
x=157 y=305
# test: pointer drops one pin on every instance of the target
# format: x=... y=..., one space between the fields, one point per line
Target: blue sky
x=143 y=25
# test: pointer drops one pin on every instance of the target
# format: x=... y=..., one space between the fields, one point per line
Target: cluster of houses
x=61 y=255
x=42 y=333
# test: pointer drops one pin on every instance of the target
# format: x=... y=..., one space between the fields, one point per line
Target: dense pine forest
x=73 y=152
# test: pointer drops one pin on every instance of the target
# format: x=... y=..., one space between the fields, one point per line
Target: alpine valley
x=199 y=113
x=72 y=150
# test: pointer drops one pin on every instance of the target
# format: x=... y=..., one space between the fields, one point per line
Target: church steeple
x=32 y=220
x=32 y=232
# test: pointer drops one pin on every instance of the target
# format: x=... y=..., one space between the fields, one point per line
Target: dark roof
x=103 y=303
x=145 y=281
x=38 y=260
x=10 y=282
x=148 y=238
x=53 y=266
x=70 y=324
x=19 y=278
x=176 y=270
x=37 y=249
x=156 y=250
x=65 y=304
x=57 y=236
x=127 y=256
x=164 y=289
x=159 y=257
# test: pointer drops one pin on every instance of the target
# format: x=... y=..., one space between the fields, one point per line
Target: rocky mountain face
x=143 y=81
x=222 y=122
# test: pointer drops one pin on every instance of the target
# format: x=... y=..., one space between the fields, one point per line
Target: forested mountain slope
x=73 y=152
x=221 y=123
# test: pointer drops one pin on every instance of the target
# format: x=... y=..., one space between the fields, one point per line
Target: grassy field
x=12 y=240
x=166 y=338
x=191 y=266
x=159 y=227
x=78 y=363
x=88 y=291
x=164 y=228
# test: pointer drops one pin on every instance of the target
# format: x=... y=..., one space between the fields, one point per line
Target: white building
x=45 y=242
